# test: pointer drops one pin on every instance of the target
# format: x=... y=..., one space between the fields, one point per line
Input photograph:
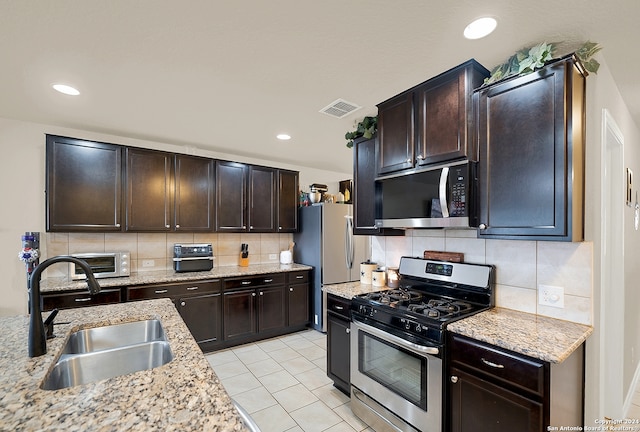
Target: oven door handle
x=416 y=348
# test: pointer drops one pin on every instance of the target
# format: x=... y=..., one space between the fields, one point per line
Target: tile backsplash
x=154 y=251
x=521 y=267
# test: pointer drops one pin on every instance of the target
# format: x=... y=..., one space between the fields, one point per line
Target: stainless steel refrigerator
x=327 y=243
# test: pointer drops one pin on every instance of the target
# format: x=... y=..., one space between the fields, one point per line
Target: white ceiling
x=227 y=76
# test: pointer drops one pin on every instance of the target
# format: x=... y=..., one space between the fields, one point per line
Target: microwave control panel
x=458 y=190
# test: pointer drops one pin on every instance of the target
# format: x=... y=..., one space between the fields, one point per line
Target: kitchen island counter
x=541 y=337
x=167 y=276
x=182 y=395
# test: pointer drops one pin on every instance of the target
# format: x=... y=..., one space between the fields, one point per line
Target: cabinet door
x=445 y=114
x=338 y=355
x=202 y=314
x=149 y=190
x=239 y=314
x=287 y=201
x=364 y=190
x=271 y=308
x=231 y=208
x=396 y=132
x=298 y=296
x=478 y=405
x=194 y=193
x=531 y=156
x=262 y=199
x=84 y=185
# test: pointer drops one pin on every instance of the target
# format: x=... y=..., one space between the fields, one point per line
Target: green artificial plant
x=366 y=128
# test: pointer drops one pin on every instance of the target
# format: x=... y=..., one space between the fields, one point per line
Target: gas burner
x=394 y=296
x=439 y=308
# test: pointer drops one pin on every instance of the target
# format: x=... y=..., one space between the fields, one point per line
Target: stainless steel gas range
x=398 y=342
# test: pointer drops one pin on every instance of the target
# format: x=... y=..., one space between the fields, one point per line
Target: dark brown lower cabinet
x=202 y=314
x=494 y=389
x=253 y=311
x=298 y=305
x=338 y=342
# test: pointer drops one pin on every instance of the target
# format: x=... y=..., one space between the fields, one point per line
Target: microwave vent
x=340 y=108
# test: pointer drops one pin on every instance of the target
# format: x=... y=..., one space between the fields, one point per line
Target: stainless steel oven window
x=101 y=264
x=398 y=370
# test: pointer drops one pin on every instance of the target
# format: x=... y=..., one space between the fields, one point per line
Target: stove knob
x=418 y=328
x=407 y=325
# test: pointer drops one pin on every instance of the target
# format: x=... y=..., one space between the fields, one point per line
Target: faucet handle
x=48 y=324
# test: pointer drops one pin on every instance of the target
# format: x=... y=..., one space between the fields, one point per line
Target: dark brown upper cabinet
x=84 y=185
x=364 y=192
x=194 y=193
x=431 y=122
x=287 y=201
x=231 y=196
x=531 y=140
x=149 y=190
x=262 y=199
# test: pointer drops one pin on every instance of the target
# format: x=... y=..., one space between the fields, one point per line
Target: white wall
x=22 y=184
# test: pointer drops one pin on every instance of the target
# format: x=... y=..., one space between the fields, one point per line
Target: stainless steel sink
x=107 y=352
x=112 y=336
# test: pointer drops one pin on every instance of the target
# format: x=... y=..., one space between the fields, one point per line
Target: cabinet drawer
x=76 y=299
x=505 y=366
x=298 y=277
x=339 y=306
x=173 y=290
x=254 y=281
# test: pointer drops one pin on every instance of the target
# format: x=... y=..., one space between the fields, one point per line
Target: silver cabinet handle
x=246 y=282
x=492 y=364
x=250 y=226
x=177 y=226
x=117 y=225
x=268 y=280
x=85 y=299
x=291 y=289
x=454 y=379
x=409 y=161
x=347 y=330
x=279 y=227
x=336 y=307
x=192 y=288
x=482 y=226
x=161 y=291
x=420 y=157
x=253 y=294
x=167 y=226
x=182 y=303
x=299 y=277
x=261 y=293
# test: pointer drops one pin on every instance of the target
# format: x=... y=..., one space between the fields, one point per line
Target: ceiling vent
x=339 y=108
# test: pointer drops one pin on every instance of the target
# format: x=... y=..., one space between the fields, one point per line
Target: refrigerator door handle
x=349 y=252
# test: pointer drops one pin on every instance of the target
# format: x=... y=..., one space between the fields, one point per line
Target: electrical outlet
x=148 y=263
x=551 y=296
x=273 y=256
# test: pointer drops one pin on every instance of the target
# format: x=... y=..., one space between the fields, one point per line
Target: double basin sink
x=106 y=352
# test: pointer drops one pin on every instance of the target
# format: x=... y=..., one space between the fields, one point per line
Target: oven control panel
x=439 y=268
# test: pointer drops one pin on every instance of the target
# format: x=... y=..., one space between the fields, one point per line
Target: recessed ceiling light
x=283 y=137
x=480 y=28
x=68 y=90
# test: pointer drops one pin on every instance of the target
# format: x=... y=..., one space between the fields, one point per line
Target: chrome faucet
x=37 y=337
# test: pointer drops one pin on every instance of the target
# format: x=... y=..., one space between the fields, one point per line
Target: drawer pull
x=336 y=307
x=492 y=364
x=86 y=299
x=299 y=277
x=291 y=289
x=246 y=282
x=192 y=288
x=454 y=379
x=268 y=280
x=164 y=291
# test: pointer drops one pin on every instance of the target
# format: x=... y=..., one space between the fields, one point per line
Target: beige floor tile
x=255 y=400
x=264 y=367
x=331 y=396
x=221 y=357
x=277 y=381
x=284 y=354
x=253 y=355
x=313 y=353
x=341 y=427
x=313 y=335
x=347 y=415
x=295 y=429
x=231 y=369
x=240 y=383
x=273 y=419
x=315 y=417
x=271 y=345
x=295 y=397
x=298 y=344
x=298 y=365
x=321 y=363
x=313 y=379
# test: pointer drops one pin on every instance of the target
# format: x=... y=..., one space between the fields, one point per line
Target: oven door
x=396 y=384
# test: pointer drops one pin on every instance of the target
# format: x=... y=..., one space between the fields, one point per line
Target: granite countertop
x=349 y=289
x=183 y=395
x=165 y=276
x=544 y=338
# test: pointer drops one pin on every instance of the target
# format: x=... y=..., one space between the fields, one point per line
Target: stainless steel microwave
x=103 y=265
x=439 y=197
